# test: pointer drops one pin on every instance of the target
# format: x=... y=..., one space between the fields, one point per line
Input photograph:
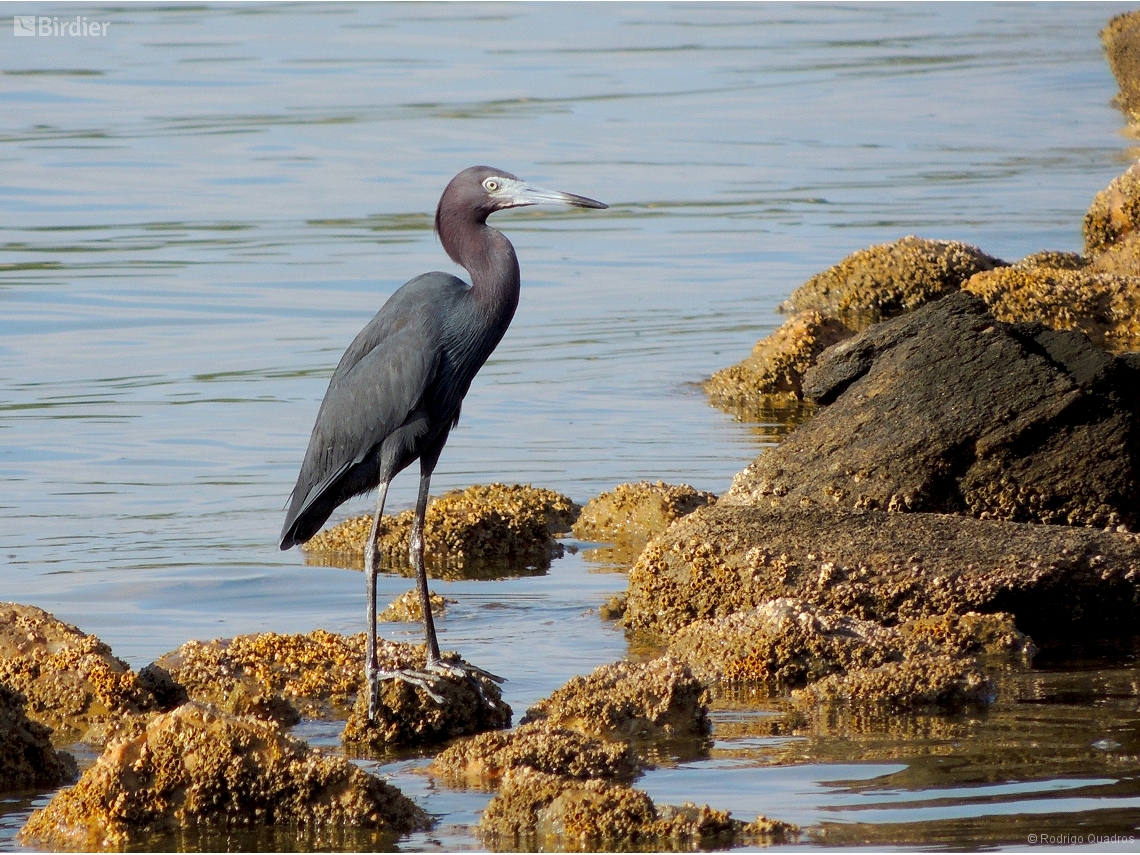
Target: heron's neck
x=494 y=269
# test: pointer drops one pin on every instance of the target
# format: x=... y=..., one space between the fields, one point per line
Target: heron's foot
x=466 y=671
x=425 y=680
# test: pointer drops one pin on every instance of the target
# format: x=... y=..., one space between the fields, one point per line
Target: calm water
x=200 y=209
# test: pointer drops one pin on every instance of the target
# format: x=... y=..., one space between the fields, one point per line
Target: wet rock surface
x=628 y=700
x=406 y=608
x=1114 y=212
x=776 y=366
x=947 y=410
x=71 y=681
x=408 y=715
x=482 y=530
x=938 y=681
x=1121 y=39
x=28 y=760
x=1104 y=306
x=879 y=282
x=630 y=514
x=483 y=760
x=1056 y=581
x=788 y=642
x=536 y=811
x=275 y=675
x=198 y=766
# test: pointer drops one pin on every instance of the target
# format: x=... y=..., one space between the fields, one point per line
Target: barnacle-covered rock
x=1114 y=212
x=1056 y=581
x=926 y=681
x=629 y=700
x=482 y=530
x=28 y=761
x=1104 y=306
x=538 y=812
x=484 y=759
x=408 y=715
x=279 y=676
x=72 y=682
x=776 y=366
x=886 y=280
x=1121 y=39
x=406 y=608
x=198 y=766
x=630 y=514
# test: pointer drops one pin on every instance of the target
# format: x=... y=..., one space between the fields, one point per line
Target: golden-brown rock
x=633 y=513
x=198 y=766
x=408 y=715
x=971 y=634
x=1052 y=259
x=629 y=700
x=28 y=761
x=1057 y=581
x=1104 y=306
x=490 y=529
x=783 y=641
x=482 y=760
x=1121 y=40
x=72 y=682
x=886 y=280
x=776 y=366
x=278 y=676
x=1114 y=212
x=941 y=681
x=406 y=608
x=542 y=812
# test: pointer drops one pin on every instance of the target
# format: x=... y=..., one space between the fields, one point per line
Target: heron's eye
x=490 y=185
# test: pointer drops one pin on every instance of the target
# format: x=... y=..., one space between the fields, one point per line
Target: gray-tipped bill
x=515 y=194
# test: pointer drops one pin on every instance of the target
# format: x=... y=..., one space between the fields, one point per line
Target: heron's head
x=477 y=192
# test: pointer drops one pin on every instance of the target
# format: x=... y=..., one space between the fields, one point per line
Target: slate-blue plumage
x=397 y=391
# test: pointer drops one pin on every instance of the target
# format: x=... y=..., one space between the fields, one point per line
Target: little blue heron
x=397 y=391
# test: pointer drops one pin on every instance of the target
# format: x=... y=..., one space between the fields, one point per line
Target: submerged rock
x=947 y=410
x=72 y=682
x=882 y=281
x=198 y=766
x=484 y=759
x=539 y=812
x=940 y=681
x=406 y=608
x=479 y=528
x=629 y=700
x=1104 y=306
x=408 y=715
x=1121 y=40
x=630 y=514
x=28 y=761
x=1057 y=581
x=776 y=366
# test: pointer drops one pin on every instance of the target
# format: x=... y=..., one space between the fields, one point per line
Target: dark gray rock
x=946 y=410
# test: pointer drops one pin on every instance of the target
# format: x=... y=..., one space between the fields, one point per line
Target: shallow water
x=203 y=207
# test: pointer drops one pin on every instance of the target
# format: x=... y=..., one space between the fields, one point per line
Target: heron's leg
x=371 y=570
x=416 y=554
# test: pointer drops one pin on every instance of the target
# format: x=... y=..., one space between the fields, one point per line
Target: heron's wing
x=380 y=380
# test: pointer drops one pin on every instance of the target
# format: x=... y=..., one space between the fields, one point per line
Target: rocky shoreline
x=966 y=488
